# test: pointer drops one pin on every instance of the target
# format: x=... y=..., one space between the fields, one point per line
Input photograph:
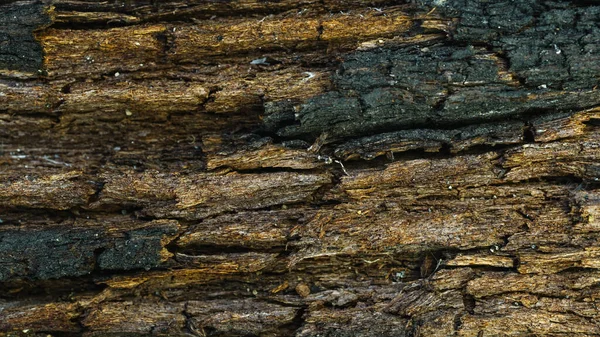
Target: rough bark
x=299 y=167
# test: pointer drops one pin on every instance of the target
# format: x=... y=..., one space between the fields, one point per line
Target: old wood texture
x=299 y=168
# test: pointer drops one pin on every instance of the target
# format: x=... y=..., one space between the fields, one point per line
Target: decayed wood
x=299 y=168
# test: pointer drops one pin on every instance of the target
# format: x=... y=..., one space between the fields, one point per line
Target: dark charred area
x=19 y=50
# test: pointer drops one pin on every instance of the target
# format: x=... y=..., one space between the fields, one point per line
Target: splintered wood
x=299 y=168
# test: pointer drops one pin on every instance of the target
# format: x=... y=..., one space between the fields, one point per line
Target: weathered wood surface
x=299 y=168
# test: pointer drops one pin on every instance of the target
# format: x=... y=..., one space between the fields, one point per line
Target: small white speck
x=128 y=112
x=309 y=75
x=137 y=43
x=117 y=74
x=56 y=162
x=557 y=50
x=543 y=86
x=450 y=187
x=117 y=148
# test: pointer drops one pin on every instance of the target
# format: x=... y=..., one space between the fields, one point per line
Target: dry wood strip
x=26 y=98
x=202 y=195
x=60 y=191
x=104 y=52
x=89 y=13
x=152 y=47
x=254 y=230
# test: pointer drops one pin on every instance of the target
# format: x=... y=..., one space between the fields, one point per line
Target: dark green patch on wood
x=19 y=49
x=55 y=252
x=512 y=60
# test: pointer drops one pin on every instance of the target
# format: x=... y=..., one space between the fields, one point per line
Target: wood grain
x=299 y=168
